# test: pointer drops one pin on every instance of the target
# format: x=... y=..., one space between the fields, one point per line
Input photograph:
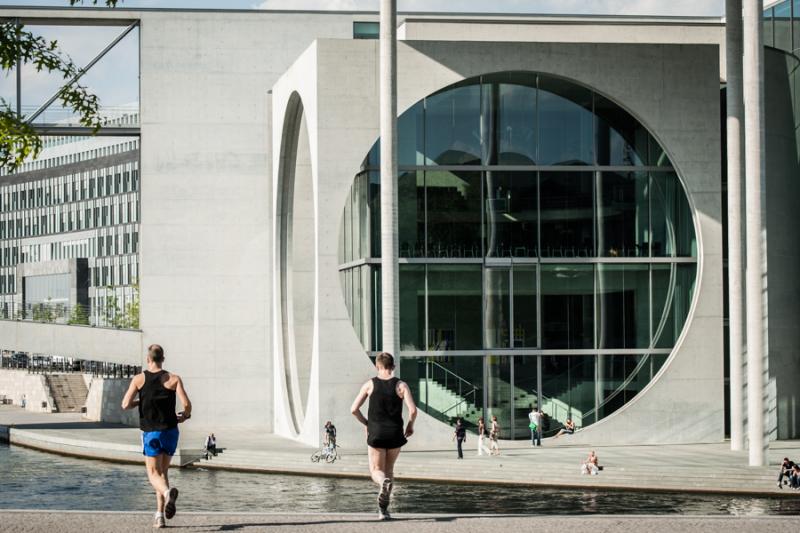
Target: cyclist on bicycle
x=329 y=440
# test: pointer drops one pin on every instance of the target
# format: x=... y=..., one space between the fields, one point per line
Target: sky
x=609 y=7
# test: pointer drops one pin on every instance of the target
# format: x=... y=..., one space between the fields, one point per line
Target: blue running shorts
x=154 y=443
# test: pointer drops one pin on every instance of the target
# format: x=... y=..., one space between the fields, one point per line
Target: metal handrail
x=450 y=372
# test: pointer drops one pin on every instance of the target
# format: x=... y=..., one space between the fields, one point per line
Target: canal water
x=35 y=480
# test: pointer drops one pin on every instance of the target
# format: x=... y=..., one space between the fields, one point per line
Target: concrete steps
x=68 y=391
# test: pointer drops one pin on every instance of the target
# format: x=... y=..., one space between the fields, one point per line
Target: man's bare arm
x=408 y=399
x=184 y=398
x=129 y=401
x=362 y=396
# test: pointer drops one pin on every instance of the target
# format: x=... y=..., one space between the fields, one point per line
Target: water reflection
x=35 y=480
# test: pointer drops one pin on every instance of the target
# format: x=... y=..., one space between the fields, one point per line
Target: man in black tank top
x=384 y=425
x=154 y=392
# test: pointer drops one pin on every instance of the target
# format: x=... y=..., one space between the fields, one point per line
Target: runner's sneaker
x=383 y=514
x=384 y=494
x=159 y=521
x=169 y=508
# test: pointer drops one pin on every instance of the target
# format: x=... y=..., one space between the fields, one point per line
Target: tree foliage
x=18 y=139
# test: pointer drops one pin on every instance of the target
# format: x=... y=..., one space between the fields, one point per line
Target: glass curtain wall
x=547 y=252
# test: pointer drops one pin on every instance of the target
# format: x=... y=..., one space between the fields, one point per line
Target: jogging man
x=156 y=390
x=384 y=425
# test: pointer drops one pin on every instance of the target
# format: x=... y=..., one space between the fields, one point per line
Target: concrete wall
x=674 y=90
x=206 y=212
x=84 y=342
x=15 y=384
x=104 y=402
x=782 y=94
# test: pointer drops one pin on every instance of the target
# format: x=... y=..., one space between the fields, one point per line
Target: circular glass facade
x=547 y=252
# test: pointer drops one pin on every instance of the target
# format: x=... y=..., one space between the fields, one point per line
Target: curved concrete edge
x=87 y=449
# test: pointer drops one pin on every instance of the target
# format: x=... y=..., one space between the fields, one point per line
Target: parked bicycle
x=327 y=453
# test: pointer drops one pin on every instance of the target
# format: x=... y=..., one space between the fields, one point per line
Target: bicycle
x=327 y=453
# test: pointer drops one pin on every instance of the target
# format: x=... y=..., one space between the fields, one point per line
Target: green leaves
x=18 y=139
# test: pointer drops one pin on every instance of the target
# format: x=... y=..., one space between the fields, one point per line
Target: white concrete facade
x=256 y=324
x=337 y=83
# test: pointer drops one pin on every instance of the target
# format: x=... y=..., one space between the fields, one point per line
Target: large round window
x=547 y=252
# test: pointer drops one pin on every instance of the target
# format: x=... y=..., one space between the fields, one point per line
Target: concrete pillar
x=389 y=242
x=753 y=76
x=735 y=114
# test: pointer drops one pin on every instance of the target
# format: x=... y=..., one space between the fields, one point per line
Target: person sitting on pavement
x=786 y=471
x=329 y=439
x=590 y=466
x=794 y=479
x=211 y=446
x=568 y=429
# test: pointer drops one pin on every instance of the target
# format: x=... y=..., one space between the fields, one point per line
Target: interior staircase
x=68 y=391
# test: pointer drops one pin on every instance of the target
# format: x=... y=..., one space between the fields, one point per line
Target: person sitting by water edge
x=786 y=472
x=329 y=438
x=568 y=429
x=211 y=446
x=590 y=466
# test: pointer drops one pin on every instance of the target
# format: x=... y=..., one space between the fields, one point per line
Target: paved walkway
x=81 y=522
x=701 y=467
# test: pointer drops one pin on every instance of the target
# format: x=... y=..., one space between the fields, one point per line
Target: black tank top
x=156 y=404
x=385 y=414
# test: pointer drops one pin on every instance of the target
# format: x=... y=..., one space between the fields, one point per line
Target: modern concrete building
x=561 y=219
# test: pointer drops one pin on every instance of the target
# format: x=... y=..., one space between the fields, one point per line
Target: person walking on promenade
x=535 y=424
x=154 y=392
x=494 y=435
x=482 y=438
x=384 y=425
x=460 y=435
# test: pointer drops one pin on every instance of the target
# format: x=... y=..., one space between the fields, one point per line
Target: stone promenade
x=679 y=468
x=81 y=522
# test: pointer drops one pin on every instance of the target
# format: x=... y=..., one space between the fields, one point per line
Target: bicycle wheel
x=316 y=456
x=331 y=456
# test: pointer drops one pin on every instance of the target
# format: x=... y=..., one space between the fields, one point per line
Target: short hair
x=386 y=360
x=156 y=353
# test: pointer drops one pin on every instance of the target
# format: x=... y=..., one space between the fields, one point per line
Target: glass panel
x=565 y=129
x=497 y=310
x=525 y=393
x=621 y=139
x=567 y=214
x=525 y=302
x=51 y=289
x=411 y=214
x=410 y=135
x=623 y=214
x=377 y=313
x=366 y=30
x=412 y=307
x=795 y=25
x=623 y=306
x=499 y=393
x=453 y=126
x=673 y=227
x=673 y=288
x=454 y=307
x=375 y=213
x=446 y=387
x=621 y=377
x=783 y=25
x=769 y=33
x=567 y=306
x=362 y=219
x=511 y=212
x=454 y=213
x=568 y=391
x=510 y=103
